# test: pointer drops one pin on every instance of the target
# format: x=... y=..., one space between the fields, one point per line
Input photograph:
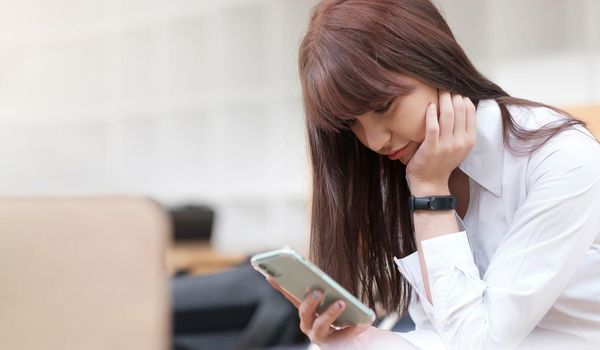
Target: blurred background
x=196 y=105
x=197 y=102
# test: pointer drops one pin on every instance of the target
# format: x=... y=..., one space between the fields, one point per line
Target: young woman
x=394 y=109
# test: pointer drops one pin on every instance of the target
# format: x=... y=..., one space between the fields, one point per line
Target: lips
x=397 y=154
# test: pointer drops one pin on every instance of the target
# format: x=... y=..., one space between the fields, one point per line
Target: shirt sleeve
x=547 y=240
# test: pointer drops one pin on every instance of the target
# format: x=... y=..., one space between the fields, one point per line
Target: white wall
x=547 y=51
x=198 y=100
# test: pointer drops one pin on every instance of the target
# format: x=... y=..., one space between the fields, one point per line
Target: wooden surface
x=589 y=114
x=199 y=258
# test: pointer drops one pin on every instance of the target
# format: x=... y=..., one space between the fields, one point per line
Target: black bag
x=235 y=309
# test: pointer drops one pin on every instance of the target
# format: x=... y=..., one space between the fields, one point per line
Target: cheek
x=410 y=127
x=418 y=123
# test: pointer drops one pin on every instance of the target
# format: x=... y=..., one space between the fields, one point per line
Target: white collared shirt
x=527 y=259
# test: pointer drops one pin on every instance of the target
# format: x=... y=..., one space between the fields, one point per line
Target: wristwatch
x=432 y=203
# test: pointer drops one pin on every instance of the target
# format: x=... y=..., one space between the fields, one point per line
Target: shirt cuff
x=441 y=254
x=410 y=268
x=444 y=256
x=447 y=251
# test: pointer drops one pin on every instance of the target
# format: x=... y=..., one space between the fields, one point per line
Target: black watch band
x=432 y=203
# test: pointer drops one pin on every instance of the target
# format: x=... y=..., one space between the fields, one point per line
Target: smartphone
x=297 y=276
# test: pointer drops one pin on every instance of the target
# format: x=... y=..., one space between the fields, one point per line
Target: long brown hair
x=348 y=63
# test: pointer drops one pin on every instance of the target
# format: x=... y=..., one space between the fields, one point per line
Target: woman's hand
x=318 y=328
x=447 y=143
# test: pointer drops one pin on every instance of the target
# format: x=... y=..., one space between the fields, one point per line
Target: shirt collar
x=484 y=162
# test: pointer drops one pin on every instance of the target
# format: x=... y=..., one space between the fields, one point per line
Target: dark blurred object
x=192 y=222
x=232 y=310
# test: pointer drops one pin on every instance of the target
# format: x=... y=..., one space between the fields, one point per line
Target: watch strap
x=432 y=203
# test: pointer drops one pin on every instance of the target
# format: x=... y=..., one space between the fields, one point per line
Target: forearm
x=431 y=224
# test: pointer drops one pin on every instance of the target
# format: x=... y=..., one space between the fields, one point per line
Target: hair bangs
x=342 y=78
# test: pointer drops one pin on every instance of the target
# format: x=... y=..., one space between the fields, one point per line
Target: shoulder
x=573 y=151
x=573 y=138
x=534 y=118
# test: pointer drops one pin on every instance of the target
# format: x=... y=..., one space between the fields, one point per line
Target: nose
x=376 y=135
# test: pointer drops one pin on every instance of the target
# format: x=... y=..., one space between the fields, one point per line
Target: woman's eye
x=384 y=108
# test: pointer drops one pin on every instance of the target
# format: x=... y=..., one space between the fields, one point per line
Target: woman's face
x=402 y=124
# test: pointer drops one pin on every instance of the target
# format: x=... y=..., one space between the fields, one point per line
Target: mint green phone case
x=298 y=275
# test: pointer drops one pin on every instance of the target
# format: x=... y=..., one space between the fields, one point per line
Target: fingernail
x=339 y=304
x=315 y=294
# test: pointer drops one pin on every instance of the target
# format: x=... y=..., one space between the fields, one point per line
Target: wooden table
x=199 y=258
x=588 y=113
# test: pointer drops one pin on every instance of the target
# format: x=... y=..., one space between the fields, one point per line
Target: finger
x=432 y=128
x=460 y=116
x=307 y=310
x=321 y=326
x=446 y=115
x=292 y=299
x=471 y=116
